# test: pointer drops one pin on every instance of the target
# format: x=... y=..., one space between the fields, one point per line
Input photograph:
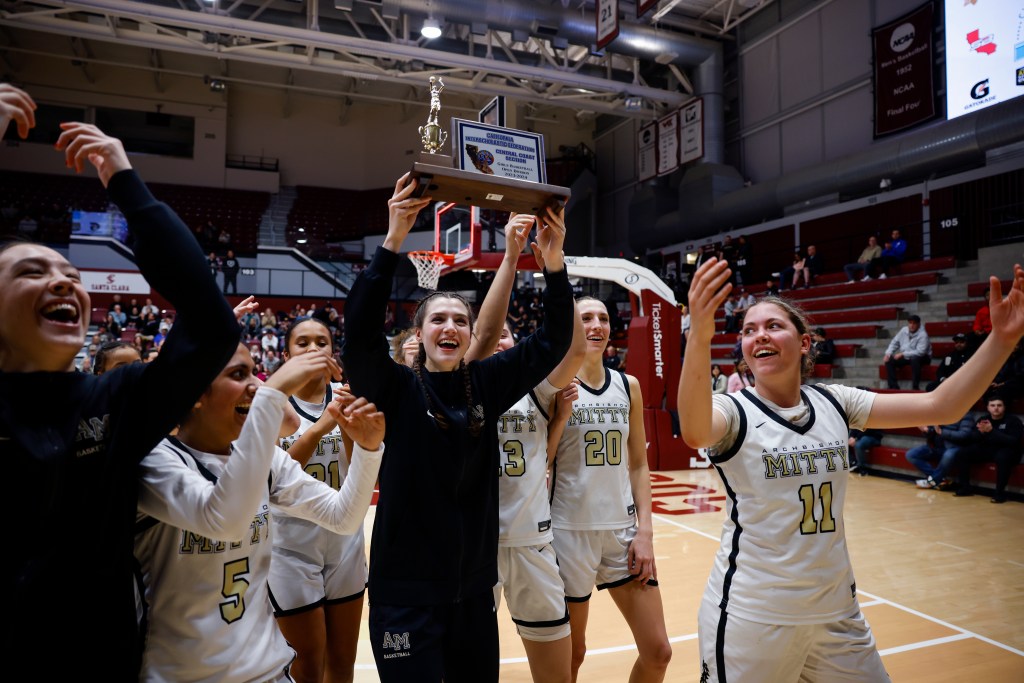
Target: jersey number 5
x=809 y=525
x=234 y=588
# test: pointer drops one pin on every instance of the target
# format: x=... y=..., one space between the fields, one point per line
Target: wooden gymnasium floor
x=940 y=579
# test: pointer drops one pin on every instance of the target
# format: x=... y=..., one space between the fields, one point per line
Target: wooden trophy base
x=472 y=188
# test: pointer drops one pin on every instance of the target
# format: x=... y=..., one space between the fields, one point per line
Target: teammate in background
x=527 y=567
x=207 y=511
x=434 y=549
x=781 y=601
x=80 y=455
x=601 y=502
x=404 y=347
x=113 y=355
x=317 y=577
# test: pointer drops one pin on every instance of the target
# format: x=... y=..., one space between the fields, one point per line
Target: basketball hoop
x=429 y=265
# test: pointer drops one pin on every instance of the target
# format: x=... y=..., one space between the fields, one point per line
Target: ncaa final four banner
x=904 y=88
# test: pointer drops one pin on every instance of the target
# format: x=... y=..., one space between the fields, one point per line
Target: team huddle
x=222 y=518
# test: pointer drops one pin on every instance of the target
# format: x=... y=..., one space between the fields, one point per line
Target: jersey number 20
x=603 y=447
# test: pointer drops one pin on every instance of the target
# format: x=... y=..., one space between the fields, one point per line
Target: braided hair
x=475 y=413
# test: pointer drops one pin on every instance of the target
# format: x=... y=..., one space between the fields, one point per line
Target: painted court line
x=954 y=547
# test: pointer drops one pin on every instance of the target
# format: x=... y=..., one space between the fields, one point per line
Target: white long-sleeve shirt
x=203 y=543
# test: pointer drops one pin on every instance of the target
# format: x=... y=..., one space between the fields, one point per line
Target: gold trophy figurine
x=431 y=134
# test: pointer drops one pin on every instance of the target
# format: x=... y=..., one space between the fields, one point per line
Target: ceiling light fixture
x=431 y=28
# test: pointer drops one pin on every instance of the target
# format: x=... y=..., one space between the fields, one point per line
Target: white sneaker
x=882 y=276
x=850 y=282
x=923 y=483
x=865 y=278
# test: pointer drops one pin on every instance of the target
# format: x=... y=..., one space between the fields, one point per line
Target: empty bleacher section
x=326 y=217
x=50 y=199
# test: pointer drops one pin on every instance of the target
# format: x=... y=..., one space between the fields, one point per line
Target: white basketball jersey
x=524 y=515
x=783 y=557
x=590 y=486
x=201 y=599
x=329 y=464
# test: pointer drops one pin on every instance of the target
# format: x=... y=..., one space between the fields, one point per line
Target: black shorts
x=456 y=642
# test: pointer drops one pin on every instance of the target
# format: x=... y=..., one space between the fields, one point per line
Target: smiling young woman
x=781 y=601
x=433 y=551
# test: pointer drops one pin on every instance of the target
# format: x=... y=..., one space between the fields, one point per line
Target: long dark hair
x=475 y=417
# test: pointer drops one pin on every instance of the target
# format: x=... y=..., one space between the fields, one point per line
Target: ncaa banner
x=904 y=89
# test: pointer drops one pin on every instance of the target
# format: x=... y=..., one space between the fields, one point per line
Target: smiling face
x=445 y=333
x=772 y=345
x=507 y=339
x=597 y=326
x=225 y=404
x=43 y=310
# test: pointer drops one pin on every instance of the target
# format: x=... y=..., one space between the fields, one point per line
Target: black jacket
x=435 y=533
x=71 y=443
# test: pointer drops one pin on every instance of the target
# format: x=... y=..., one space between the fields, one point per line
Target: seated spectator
x=812 y=265
x=743 y=302
x=824 y=349
x=133 y=317
x=119 y=316
x=862 y=441
x=269 y=340
x=863 y=263
x=1009 y=381
x=995 y=436
x=611 y=358
x=732 y=323
x=910 y=346
x=111 y=323
x=148 y=308
x=943 y=443
x=953 y=361
x=740 y=379
x=719 y=382
x=771 y=289
x=791 y=273
x=271 y=361
x=892 y=255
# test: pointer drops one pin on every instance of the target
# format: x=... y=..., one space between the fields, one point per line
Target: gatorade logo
x=980 y=90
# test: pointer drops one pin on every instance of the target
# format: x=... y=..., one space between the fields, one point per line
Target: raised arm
x=700 y=425
x=961 y=390
x=495 y=306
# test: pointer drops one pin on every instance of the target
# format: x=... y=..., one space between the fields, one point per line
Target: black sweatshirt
x=435 y=533
x=73 y=442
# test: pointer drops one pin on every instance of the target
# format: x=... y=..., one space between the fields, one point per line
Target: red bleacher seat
x=947 y=328
x=906 y=373
x=900 y=296
x=963 y=308
x=976 y=289
x=885 y=313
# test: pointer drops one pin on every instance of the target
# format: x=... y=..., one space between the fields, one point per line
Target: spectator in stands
x=727 y=250
x=893 y=254
x=719 y=382
x=953 y=361
x=28 y=226
x=771 y=289
x=214 y=262
x=268 y=319
x=981 y=326
x=224 y=238
x=111 y=324
x=943 y=443
x=1009 y=381
x=741 y=379
x=269 y=340
x=732 y=321
x=860 y=444
x=744 y=302
x=741 y=266
x=996 y=436
x=824 y=349
x=910 y=346
x=812 y=265
x=119 y=316
x=134 y=317
x=862 y=266
x=149 y=307
x=611 y=358
x=791 y=272
x=230 y=268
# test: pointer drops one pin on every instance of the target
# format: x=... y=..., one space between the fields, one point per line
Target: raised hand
x=517 y=232
x=402 y=212
x=563 y=400
x=16 y=105
x=551 y=238
x=360 y=419
x=1007 y=312
x=709 y=289
x=302 y=369
x=83 y=142
x=246 y=305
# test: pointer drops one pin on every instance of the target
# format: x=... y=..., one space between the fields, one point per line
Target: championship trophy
x=494 y=167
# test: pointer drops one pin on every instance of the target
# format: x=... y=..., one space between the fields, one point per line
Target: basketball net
x=429 y=265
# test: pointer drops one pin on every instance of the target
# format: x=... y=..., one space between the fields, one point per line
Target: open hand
x=402 y=212
x=709 y=289
x=1007 y=312
x=246 y=305
x=517 y=232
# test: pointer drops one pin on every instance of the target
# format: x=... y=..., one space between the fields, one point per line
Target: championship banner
x=691 y=135
x=904 y=90
x=647 y=152
x=668 y=143
x=607 y=18
x=642 y=7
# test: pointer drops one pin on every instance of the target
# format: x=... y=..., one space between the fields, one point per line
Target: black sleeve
x=509 y=375
x=365 y=352
x=205 y=333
